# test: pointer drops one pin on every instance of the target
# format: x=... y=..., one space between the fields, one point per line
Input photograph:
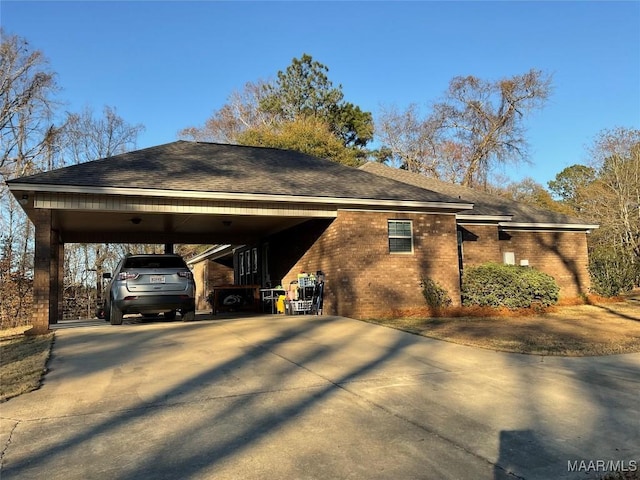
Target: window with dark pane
x=400 y=236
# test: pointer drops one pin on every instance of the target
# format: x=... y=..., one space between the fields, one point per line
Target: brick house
x=496 y=229
x=504 y=231
x=373 y=236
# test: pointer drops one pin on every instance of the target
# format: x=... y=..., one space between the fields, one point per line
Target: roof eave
x=213 y=253
x=470 y=218
x=236 y=196
x=547 y=225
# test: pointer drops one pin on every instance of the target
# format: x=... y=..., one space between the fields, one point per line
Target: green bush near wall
x=510 y=286
x=434 y=294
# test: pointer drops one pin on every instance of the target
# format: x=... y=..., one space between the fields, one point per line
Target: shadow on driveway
x=310 y=397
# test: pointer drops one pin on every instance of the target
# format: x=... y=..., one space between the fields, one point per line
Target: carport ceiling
x=189 y=192
x=132 y=227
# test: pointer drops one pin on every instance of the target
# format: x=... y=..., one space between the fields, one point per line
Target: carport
x=189 y=192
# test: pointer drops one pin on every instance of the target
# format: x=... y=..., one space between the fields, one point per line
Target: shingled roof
x=485 y=204
x=210 y=167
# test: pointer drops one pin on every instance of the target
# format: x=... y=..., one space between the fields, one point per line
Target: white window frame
x=395 y=236
x=254 y=253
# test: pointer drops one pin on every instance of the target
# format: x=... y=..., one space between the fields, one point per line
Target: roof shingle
x=211 y=167
x=485 y=204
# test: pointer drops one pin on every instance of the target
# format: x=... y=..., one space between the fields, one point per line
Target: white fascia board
x=395 y=210
x=211 y=253
x=255 y=197
x=462 y=218
x=550 y=226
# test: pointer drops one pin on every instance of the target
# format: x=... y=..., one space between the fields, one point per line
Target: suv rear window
x=154 y=262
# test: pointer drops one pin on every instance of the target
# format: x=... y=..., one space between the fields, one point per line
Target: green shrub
x=497 y=285
x=612 y=272
x=435 y=295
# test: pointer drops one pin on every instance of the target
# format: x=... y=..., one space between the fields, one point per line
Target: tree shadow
x=519 y=450
x=259 y=423
x=581 y=410
x=615 y=312
x=570 y=264
x=543 y=411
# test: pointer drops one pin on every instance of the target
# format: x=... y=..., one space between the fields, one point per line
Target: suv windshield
x=154 y=262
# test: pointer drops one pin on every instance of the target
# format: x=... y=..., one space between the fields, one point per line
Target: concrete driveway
x=301 y=397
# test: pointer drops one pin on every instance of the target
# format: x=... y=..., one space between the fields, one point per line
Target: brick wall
x=480 y=244
x=288 y=247
x=362 y=278
x=208 y=274
x=46 y=273
x=563 y=255
x=219 y=274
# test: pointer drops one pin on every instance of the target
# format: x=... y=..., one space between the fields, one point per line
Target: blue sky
x=169 y=65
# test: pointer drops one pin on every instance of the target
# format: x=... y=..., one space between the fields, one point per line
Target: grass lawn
x=583 y=330
x=23 y=361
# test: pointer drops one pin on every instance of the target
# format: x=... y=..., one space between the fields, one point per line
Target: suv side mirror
x=106 y=275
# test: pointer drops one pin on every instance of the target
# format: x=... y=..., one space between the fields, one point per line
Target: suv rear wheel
x=189 y=316
x=115 y=315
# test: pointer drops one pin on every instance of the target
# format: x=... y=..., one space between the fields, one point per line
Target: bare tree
x=31 y=142
x=477 y=126
x=411 y=140
x=242 y=112
x=615 y=193
x=27 y=87
x=28 y=140
x=487 y=118
x=88 y=138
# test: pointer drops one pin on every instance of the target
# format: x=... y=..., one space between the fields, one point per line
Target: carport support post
x=59 y=266
x=47 y=273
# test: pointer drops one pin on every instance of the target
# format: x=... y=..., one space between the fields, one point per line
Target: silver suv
x=150 y=285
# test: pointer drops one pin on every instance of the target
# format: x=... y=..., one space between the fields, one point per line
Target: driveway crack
x=5 y=447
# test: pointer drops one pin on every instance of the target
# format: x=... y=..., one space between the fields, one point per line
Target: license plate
x=156 y=279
